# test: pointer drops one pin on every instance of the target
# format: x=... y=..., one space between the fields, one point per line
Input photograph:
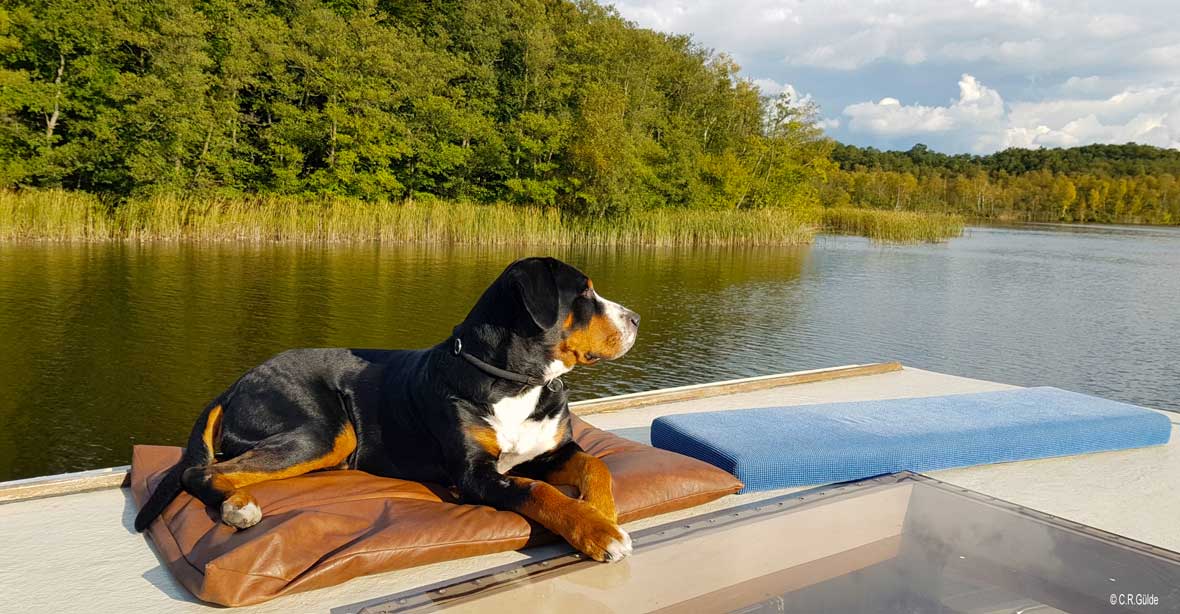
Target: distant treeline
x=1128 y=160
x=541 y=102
x=1128 y=183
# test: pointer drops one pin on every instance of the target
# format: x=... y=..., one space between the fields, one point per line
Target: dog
x=484 y=412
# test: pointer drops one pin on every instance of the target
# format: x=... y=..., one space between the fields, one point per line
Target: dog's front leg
x=578 y=522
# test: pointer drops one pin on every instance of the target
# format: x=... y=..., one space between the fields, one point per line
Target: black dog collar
x=554 y=384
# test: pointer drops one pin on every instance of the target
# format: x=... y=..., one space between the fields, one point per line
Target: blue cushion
x=780 y=447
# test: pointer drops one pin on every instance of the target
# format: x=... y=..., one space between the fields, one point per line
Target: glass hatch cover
x=896 y=543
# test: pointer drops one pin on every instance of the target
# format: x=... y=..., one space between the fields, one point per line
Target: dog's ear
x=535 y=283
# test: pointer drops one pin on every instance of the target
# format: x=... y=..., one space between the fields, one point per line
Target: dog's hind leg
x=198 y=453
x=286 y=455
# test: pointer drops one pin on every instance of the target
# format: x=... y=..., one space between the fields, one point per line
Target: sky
x=961 y=76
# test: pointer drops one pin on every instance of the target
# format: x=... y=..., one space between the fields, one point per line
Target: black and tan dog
x=483 y=412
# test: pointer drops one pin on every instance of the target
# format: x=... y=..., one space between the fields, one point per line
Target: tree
x=1064 y=196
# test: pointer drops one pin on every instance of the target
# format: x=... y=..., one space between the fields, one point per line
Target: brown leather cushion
x=323 y=528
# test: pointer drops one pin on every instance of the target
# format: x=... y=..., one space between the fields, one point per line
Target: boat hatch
x=897 y=543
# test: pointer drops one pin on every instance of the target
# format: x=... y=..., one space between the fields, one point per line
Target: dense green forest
x=1095 y=183
x=540 y=102
x=187 y=113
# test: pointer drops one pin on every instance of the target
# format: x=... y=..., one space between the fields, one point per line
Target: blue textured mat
x=779 y=447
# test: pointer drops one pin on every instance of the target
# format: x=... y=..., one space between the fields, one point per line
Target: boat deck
x=63 y=553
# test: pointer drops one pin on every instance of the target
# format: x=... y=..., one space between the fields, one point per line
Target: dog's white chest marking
x=520 y=438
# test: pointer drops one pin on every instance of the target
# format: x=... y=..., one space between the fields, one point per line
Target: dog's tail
x=198 y=452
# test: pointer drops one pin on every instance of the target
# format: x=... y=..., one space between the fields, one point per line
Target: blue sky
x=959 y=75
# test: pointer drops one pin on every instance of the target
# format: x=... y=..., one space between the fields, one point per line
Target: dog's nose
x=633 y=318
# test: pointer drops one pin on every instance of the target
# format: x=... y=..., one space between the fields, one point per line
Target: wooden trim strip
x=717 y=389
x=63 y=484
x=112 y=477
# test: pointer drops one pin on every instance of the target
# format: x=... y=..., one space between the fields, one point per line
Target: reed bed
x=74 y=216
x=893 y=226
x=60 y=215
x=53 y=215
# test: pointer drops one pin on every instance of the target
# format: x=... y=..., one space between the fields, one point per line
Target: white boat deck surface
x=78 y=552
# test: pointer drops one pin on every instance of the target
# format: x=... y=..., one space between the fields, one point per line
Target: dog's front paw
x=240 y=511
x=602 y=540
x=620 y=548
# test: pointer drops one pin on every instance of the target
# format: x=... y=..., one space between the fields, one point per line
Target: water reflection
x=104 y=346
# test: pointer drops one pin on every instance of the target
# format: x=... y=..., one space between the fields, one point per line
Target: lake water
x=105 y=346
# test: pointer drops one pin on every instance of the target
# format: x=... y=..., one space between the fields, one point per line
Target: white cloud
x=1072 y=71
x=1111 y=25
x=1148 y=115
x=1085 y=85
x=979 y=109
x=1163 y=56
x=849 y=34
x=770 y=87
x=914 y=55
x=980 y=120
x=988 y=50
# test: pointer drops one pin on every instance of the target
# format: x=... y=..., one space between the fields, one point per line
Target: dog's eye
x=588 y=292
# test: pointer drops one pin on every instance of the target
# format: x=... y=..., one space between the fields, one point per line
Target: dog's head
x=555 y=308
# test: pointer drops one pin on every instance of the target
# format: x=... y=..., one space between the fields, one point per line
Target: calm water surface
x=106 y=346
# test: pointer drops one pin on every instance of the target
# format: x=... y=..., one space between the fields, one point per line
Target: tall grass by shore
x=73 y=216
x=892 y=226
x=59 y=215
